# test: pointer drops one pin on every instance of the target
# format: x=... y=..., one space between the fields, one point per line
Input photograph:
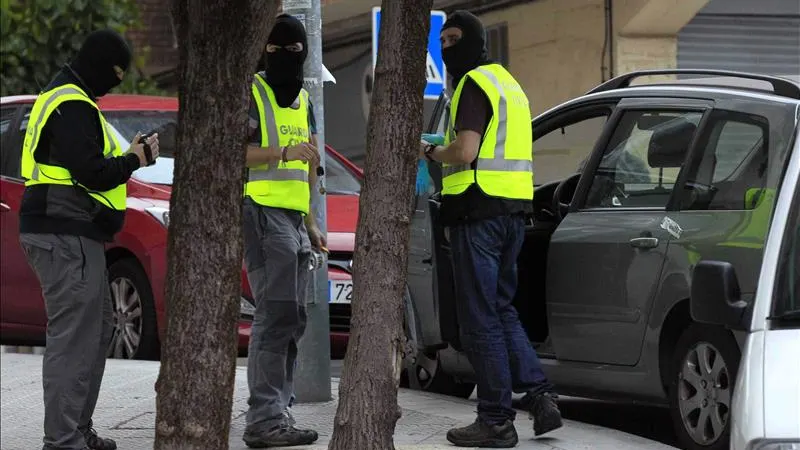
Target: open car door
x=430 y=307
x=422 y=313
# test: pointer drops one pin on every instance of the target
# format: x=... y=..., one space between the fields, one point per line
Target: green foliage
x=38 y=36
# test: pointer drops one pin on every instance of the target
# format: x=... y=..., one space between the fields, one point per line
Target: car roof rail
x=780 y=86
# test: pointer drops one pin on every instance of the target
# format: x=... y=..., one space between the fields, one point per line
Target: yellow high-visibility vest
x=282 y=185
x=504 y=167
x=752 y=232
x=38 y=173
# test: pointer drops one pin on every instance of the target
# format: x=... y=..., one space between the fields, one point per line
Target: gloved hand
x=433 y=139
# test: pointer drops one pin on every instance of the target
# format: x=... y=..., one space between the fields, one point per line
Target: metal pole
x=312 y=381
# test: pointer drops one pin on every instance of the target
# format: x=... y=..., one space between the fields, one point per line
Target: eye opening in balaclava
x=95 y=61
x=470 y=51
x=284 y=68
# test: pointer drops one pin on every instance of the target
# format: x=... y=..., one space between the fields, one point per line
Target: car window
x=7 y=115
x=787 y=289
x=12 y=153
x=731 y=171
x=339 y=179
x=128 y=123
x=642 y=161
x=12 y=149
x=564 y=151
x=440 y=116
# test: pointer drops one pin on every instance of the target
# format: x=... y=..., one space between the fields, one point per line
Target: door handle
x=644 y=242
x=4 y=207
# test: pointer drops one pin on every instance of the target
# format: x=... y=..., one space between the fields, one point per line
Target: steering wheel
x=560 y=208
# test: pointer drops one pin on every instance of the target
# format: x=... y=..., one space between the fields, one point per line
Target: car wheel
x=704 y=366
x=425 y=373
x=135 y=333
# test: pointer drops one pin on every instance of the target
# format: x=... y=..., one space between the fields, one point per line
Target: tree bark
x=368 y=410
x=220 y=42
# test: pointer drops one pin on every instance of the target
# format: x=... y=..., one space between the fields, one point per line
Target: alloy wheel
x=704 y=393
x=127 y=319
x=425 y=369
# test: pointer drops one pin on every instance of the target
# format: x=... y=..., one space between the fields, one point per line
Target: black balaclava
x=94 y=64
x=470 y=51
x=284 y=67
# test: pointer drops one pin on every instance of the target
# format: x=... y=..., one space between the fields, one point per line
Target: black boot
x=480 y=434
x=280 y=436
x=545 y=414
x=95 y=442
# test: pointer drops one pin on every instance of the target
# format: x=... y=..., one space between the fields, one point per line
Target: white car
x=766 y=398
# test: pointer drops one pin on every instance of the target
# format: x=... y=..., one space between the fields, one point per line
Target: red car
x=137 y=259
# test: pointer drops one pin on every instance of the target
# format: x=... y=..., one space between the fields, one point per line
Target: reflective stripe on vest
x=504 y=167
x=38 y=173
x=284 y=185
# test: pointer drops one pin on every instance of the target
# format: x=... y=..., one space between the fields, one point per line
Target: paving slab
x=126 y=413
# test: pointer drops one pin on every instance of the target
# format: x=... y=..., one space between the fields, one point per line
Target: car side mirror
x=716 y=296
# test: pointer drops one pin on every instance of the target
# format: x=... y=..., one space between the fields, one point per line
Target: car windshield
x=787 y=289
x=339 y=179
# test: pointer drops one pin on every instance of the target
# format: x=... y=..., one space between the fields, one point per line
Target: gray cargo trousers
x=72 y=273
x=277 y=256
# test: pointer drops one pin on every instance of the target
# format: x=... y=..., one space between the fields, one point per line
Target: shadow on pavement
x=651 y=422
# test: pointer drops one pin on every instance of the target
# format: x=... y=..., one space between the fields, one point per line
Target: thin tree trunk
x=220 y=42
x=368 y=410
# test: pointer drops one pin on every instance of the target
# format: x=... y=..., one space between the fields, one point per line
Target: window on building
x=497 y=43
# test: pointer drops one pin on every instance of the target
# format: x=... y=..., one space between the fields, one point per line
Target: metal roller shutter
x=760 y=44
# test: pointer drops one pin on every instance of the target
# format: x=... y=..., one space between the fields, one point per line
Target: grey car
x=674 y=172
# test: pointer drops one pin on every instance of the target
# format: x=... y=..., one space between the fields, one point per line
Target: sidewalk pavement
x=126 y=413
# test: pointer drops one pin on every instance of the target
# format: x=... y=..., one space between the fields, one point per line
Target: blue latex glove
x=433 y=138
x=424 y=181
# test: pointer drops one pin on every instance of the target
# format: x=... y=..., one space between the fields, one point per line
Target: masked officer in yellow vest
x=74 y=202
x=487 y=189
x=279 y=232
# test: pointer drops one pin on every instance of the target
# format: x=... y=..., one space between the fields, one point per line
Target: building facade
x=557 y=49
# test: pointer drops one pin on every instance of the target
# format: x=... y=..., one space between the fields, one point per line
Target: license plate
x=341 y=291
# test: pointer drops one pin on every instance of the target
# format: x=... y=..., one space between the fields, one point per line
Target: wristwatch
x=429 y=151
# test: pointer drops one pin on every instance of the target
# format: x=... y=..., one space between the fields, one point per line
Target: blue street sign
x=437 y=78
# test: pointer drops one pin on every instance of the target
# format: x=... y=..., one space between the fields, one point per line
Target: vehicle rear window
x=732 y=168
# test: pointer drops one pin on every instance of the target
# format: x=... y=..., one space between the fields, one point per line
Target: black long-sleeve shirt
x=75 y=142
x=72 y=138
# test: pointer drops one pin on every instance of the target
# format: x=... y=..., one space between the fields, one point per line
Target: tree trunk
x=368 y=410
x=220 y=42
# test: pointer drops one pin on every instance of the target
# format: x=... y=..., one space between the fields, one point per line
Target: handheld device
x=148 y=152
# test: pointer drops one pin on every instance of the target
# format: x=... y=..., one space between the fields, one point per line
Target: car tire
x=423 y=370
x=425 y=374
x=135 y=333
x=705 y=362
